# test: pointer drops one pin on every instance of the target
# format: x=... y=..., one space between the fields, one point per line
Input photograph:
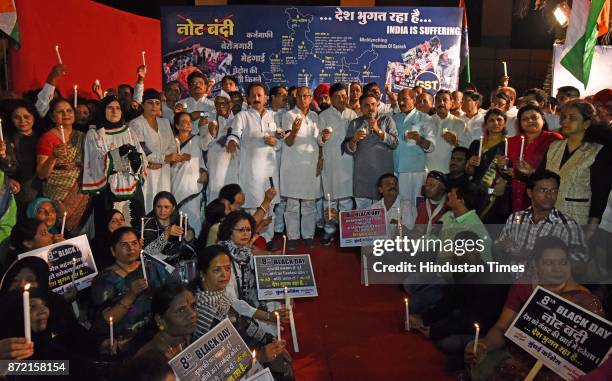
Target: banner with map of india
x=287 y=45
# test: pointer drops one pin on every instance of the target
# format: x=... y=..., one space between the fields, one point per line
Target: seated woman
x=162 y=231
x=122 y=292
x=494 y=358
x=35 y=271
x=45 y=210
x=213 y=213
x=214 y=304
x=174 y=314
x=113 y=220
x=48 y=343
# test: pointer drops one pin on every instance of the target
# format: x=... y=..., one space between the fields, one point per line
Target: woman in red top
x=59 y=163
x=533 y=130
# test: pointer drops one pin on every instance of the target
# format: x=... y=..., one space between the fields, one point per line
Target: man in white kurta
x=473 y=116
x=299 y=169
x=449 y=132
x=278 y=105
x=337 y=174
x=253 y=133
x=222 y=166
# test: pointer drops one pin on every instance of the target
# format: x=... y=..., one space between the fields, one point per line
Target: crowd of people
x=204 y=182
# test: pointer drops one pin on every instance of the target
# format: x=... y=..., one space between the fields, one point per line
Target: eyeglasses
x=547 y=190
x=242 y=230
x=153 y=102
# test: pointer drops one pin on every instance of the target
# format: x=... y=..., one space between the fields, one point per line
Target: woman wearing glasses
x=527 y=150
x=155 y=135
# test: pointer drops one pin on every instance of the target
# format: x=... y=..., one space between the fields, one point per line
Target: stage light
x=562 y=13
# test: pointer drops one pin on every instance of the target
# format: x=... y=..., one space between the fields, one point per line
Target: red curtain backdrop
x=95 y=41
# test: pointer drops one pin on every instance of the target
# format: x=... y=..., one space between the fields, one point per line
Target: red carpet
x=353 y=332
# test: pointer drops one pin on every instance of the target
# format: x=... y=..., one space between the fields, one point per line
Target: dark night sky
x=523 y=31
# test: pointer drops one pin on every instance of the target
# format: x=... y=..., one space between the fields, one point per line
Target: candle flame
x=111 y=319
x=476 y=326
x=254 y=353
x=406 y=300
x=276 y=313
x=73 y=260
x=26 y=287
x=75 y=87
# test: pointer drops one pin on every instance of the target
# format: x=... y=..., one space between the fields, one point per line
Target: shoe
x=292 y=244
x=309 y=242
x=327 y=240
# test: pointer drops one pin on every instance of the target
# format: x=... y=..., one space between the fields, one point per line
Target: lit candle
x=141 y=227
x=75 y=96
x=144 y=63
x=506 y=147
x=476 y=337
x=254 y=358
x=328 y=206
x=74 y=261
x=97 y=82
x=26 y=313
x=480 y=147
x=287 y=299
x=278 y=332
x=407 y=325
x=112 y=338
x=178 y=146
x=144 y=268
x=1 y=134
x=130 y=137
x=63 y=225
x=522 y=147
x=505 y=69
x=59 y=58
x=62 y=132
x=284 y=243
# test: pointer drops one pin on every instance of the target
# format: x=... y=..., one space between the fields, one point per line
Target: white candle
x=1 y=134
x=287 y=299
x=522 y=147
x=328 y=196
x=296 y=347
x=180 y=225
x=185 y=224
x=97 y=82
x=178 y=146
x=505 y=69
x=75 y=96
x=112 y=338
x=62 y=133
x=26 y=313
x=74 y=261
x=254 y=358
x=144 y=63
x=476 y=337
x=506 y=147
x=407 y=325
x=130 y=137
x=399 y=221
x=59 y=58
x=284 y=243
x=278 y=332
x=480 y=147
x=144 y=268
x=63 y=225
x=141 y=227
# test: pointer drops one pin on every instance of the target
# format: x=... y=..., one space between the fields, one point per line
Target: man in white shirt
x=198 y=102
x=278 y=105
x=253 y=132
x=397 y=210
x=299 y=168
x=449 y=132
x=473 y=115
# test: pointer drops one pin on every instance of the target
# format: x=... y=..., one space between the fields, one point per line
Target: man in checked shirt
x=518 y=236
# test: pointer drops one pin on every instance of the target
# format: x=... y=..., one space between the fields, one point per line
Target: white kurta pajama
x=298 y=175
x=439 y=159
x=185 y=186
x=222 y=167
x=258 y=160
x=157 y=144
x=337 y=174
